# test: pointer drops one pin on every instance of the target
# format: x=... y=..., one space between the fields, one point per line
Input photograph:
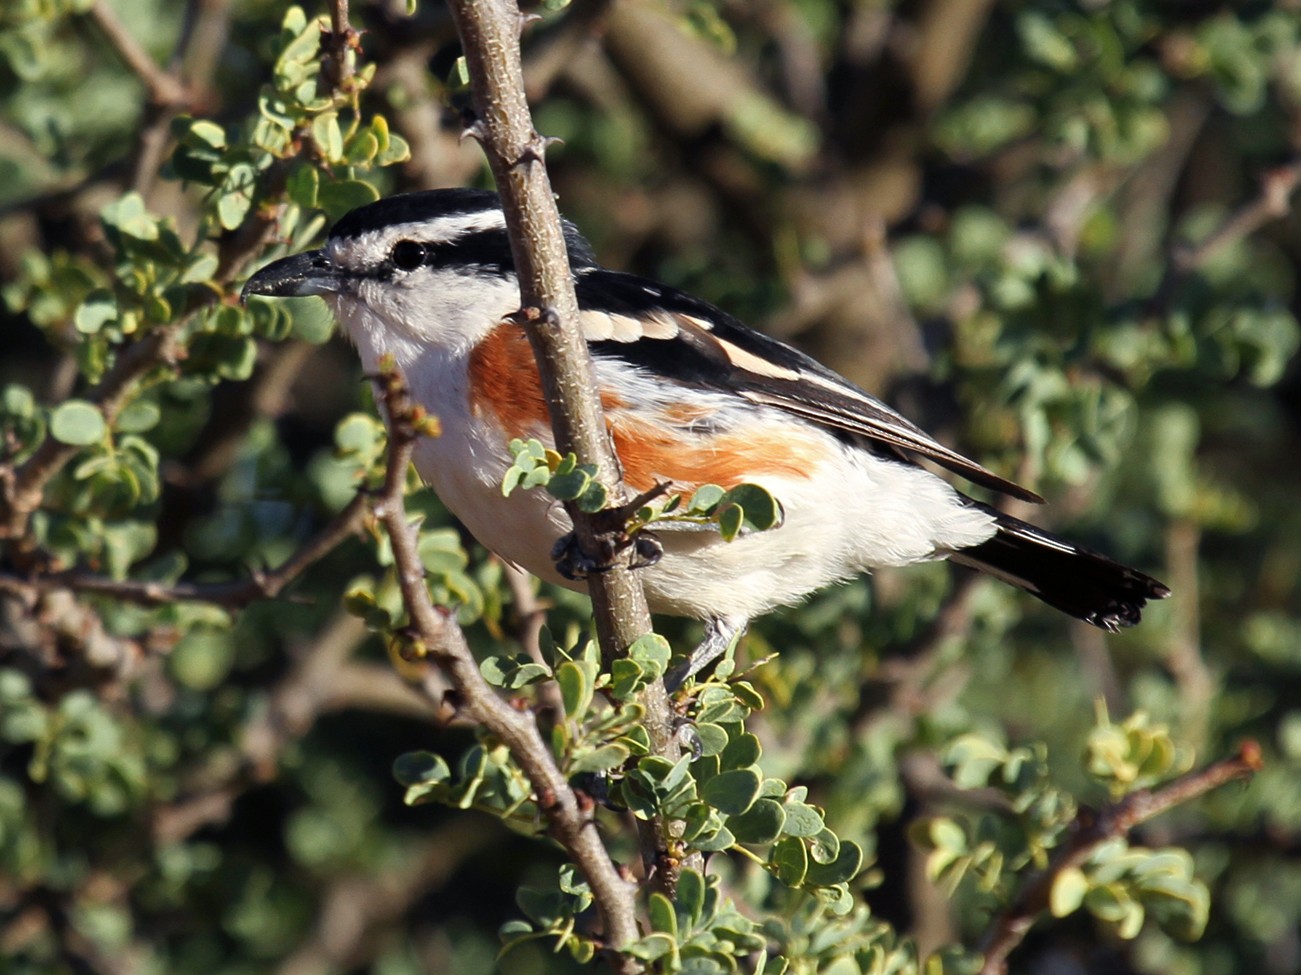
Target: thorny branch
x=439 y=636
x=489 y=34
x=339 y=43
x=231 y=595
x=1093 y=828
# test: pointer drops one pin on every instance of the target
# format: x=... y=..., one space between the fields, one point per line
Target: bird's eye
x=407 y=255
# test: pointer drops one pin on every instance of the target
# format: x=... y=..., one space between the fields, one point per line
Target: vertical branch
x=490 y=37
x=338 y=43
x=489 y=31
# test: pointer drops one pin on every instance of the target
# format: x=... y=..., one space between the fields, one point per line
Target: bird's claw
x=575 y=564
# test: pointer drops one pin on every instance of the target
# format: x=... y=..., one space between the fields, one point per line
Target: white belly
x=856 y=512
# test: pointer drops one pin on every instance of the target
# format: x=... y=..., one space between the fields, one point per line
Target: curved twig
x=1093 y=828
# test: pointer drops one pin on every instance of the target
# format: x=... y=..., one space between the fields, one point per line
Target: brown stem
x=489 y=34
x=1089 y=831
x=338 y=43
x=1274 y=200
x=1184 y=656
x=164 y=87
x=442 y=639
x=232 y=595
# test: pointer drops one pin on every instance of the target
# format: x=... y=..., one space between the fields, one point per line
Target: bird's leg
x=719 y=635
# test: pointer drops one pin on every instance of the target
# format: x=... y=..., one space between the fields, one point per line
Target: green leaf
x=303 y=185
x=575 y=689
x=397 y=150
x=328 y=136
x=97 y=310
x=77 y=423
x=732 y=792
x=803 y=820
x=139 y=416
x=600 y=759
x=825 y=847
x=512 y=673
x=568 y=486
x=1069 y=888
x=627 y=677
x=652 y=947
x=790 y=861
x=747 y=695
x=202 y=660
x=128 y=215
x=712 y=738
x=420 y=768
x=761 y=823
x=652 y=652
x=706 y=498
x=730 y=521
x=203 y=132
x=691 y=898
x=235 y=197
x=761 y=509
x=594 y=498
x=200 y=268
x=663 y=917
x=741 y=752
x=844 y=868
x=338 y=197
x=715 y=842
x=361 y=149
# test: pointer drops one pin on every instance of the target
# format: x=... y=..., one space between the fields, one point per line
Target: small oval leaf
x=77 y=423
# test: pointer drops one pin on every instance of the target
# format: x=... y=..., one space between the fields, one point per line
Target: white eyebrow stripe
x=372 y=247
x=439 y=230
x=450 y=228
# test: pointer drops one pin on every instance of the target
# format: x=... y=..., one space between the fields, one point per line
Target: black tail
x=1084 y=584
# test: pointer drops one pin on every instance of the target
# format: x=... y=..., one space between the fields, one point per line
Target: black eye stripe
x=479 y=252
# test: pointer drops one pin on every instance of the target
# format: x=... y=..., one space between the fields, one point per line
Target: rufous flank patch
x=504 y=383
x=651 y=453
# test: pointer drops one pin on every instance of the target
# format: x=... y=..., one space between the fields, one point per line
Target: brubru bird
x=691 y=396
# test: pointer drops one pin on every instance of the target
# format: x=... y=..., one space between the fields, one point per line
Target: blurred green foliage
x=1085 y=278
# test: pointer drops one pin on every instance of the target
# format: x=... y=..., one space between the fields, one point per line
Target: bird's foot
x=575 y=563
x=719 y=635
